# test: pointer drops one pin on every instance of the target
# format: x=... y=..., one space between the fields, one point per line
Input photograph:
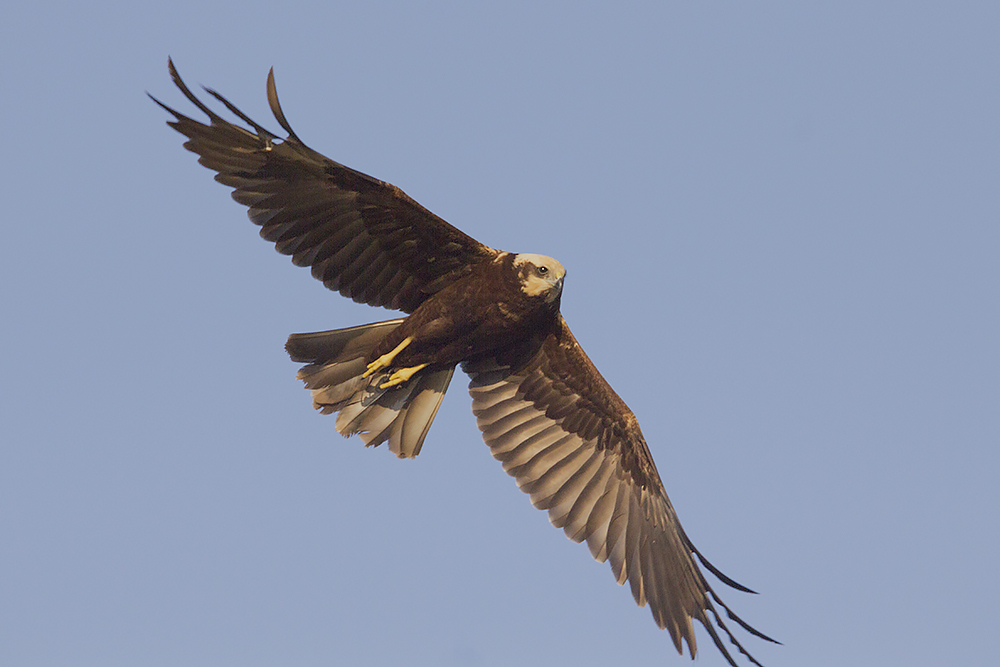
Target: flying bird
x=545 y=411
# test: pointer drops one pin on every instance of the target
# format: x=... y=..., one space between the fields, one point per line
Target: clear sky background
x=781 y=223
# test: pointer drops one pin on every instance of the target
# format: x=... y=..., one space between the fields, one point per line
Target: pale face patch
x=540 y=275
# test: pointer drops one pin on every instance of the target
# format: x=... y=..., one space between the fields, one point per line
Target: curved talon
x=386 y=359
x=401 y=376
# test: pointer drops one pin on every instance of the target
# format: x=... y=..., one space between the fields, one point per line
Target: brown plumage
x=545 y=411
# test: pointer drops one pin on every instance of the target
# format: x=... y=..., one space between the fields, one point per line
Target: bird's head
x=540 y=276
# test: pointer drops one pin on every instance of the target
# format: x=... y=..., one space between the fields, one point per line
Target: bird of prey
x=545 y=411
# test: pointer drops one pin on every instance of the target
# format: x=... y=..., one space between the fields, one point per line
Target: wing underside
x=576 y=450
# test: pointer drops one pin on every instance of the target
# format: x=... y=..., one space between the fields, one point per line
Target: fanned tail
x=336 y=360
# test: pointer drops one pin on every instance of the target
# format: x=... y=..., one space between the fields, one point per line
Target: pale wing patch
x=585 y=489
x=584 y=485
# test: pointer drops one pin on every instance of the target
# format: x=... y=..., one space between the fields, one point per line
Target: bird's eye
x=542 y=270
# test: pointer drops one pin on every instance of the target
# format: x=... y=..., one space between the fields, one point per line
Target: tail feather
x=401 y=414
x=341 y=344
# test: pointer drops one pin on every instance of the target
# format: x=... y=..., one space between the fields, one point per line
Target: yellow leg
x=401 y=376
x=386 y=359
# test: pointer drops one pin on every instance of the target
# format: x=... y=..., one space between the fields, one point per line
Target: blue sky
x=781 y=225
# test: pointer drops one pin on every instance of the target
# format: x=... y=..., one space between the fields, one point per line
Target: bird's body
x=500 y=304
x=544 y=410
x=477 y=314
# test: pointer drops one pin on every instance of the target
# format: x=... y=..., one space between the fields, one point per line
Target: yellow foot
x=401 y=376
x=386 y=359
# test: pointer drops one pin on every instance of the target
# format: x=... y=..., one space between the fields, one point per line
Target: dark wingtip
x=179 y=82
x=279 y=115
x=717 y=572
x=173 y=72
x=261 y=131
x=729 y=612
x=150 y=96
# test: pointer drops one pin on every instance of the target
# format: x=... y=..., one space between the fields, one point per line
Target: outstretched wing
x=362 y=237
x=574 y=446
